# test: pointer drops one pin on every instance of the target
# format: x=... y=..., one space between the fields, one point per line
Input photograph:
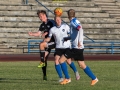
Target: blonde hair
x=71 y=13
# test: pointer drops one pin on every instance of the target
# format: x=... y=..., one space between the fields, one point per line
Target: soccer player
x=60 y=31
x=76 y=36
x=43 y=31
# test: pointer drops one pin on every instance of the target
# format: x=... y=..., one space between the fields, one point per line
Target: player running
x=59 y=32
x=76 y=36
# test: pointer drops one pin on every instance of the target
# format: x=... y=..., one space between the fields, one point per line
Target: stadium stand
x=100 y=20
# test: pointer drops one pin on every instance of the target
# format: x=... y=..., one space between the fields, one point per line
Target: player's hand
x=79 y=45
x=30 y=33
x=44 y=34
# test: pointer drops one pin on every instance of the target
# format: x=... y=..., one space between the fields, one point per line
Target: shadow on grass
x=25 y=80
x=17 y=80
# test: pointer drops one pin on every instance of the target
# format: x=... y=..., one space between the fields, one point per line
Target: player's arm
x=47 y=39
x=44 y=34
x=76 y=24
x=34 y=33
x=68 y=33
x=49 y=36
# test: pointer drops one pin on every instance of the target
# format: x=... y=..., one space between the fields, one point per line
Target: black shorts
x=51 y=45
x=60 y=51
x=76 y=54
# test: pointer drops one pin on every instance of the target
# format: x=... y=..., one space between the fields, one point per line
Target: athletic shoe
x=45 y=78
x=65 y=81
x=60 y=80
x=93 y=82
x=41 y=65
x=77 y=75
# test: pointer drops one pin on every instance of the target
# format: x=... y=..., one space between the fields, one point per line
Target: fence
x=90 y=47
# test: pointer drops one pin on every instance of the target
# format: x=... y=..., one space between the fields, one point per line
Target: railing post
x=112 y=47
x=28 y=46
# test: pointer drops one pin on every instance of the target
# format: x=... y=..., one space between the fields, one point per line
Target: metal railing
x=90 y=47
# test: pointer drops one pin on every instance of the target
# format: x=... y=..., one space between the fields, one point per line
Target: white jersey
x=59 y=33
x=76 y=35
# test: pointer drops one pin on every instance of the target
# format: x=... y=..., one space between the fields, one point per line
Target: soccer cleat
x=45 y=78
x=77 y=75
x=41 y=65
x=93 y=82
x=65 y=81
x=60 y=80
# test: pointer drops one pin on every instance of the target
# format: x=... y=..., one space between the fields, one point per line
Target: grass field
x=26 y=76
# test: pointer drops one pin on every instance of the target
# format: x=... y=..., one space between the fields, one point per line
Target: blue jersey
x=76 y=34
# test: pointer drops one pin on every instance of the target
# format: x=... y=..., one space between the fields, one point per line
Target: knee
x=43 y=44
x=69 y=61
x=56 y=61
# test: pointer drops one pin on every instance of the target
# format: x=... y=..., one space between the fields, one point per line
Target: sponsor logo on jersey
x=48 y=26
x=63 y=30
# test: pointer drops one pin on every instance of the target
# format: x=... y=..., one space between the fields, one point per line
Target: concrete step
x=62 y=3
x=115 y=7
x=111 y=9
x=105 y=4
x=17 y=30
x=11 y=2
x=33 y=15
x=3 y=46
x=108 y=1
x=113 y=12
x=15 y=41
x=19 y=24
x=115 y=15
x=36 y=19
x=18 y=13
x=105 y=26
x=118 y=3
x=104 y=31
x=29 y=8
x=104 y=37
x=81 y=9
x=36 y=25
x=17 y=35
x=15 y=8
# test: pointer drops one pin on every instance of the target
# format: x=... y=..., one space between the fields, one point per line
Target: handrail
x=101 y=44
x=62 y=20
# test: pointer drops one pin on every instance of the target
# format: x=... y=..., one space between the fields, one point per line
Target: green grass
x=26 y=76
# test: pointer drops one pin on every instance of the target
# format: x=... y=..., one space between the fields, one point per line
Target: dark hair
x=41 y=11
x=71 y=13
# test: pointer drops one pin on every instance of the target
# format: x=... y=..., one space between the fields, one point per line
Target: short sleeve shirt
x=45 y=27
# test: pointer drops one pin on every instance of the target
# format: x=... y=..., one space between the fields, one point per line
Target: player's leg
x=58 y=68
x=42 y=47
x=48 y=50
x=44 y=69
x=64 y=69
x=86 y=69
x=72 y=65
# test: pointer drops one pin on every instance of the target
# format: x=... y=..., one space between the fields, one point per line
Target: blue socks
x=72 y=65
x=58 y=69
x=65 y=70
x=89 y=73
